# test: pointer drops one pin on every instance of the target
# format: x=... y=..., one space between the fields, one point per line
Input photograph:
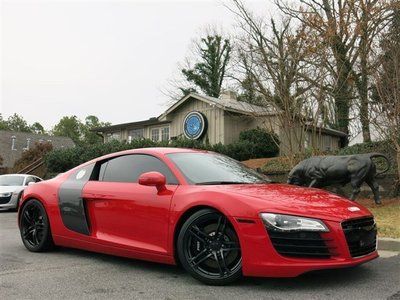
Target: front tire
x=208 y=248
x=35 y=227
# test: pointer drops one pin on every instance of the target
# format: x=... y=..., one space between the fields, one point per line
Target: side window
x=128 y=168
x=82 y=174
x=29 y=180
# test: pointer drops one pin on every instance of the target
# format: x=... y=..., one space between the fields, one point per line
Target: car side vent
x=360 y=236
x=299 y=244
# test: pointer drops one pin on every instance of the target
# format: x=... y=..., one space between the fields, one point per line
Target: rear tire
x=35 y=227
x=208 y=248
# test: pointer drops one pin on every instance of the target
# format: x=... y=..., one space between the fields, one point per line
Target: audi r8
x=11 y=188
x=207 y=212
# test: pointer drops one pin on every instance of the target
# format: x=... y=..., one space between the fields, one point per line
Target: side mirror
x=153 y=179
x=31 y=183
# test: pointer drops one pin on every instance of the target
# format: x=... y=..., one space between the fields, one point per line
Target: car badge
x=353 y=208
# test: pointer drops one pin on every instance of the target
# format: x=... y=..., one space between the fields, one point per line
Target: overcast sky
x=105 y=58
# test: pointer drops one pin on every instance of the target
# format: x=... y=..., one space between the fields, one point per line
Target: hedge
x=254 y=143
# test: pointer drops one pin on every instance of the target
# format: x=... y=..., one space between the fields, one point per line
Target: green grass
x=387 y=216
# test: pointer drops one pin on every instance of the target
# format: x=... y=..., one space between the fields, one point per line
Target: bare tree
x=349 y=30
x=276 y=59
x=386 y=110
x=370 y=20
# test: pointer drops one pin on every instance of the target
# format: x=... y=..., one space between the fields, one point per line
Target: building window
x=136 y=134
x=160 y=134
x=165 y=134
x=155 y=134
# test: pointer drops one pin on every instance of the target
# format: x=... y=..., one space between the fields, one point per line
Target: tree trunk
x=397 y=184
x=342 y=99
x=343 y=88
x=364 y=112
x=398 y=162
x=362 y=81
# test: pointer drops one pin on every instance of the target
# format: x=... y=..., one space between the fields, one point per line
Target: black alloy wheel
x=35 y=227
x=209 y=249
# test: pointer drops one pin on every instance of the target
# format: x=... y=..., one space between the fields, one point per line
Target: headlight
x=5 y=194
x=279 y=222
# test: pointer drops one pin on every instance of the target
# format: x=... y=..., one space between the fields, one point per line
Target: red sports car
x=214 y=216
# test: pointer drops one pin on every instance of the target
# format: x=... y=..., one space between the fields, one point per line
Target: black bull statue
x=323 y=171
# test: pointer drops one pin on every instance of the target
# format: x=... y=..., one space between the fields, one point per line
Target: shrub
x=252 y=144
x=264 y=142
x=276 y=165
x=187 y=143
x=240 y=150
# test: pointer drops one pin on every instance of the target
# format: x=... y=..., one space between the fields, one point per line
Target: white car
x=11 y=188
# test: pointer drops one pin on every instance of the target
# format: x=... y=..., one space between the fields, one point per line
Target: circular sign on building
x=194 y=125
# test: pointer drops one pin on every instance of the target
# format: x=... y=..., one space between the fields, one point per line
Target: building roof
x=327 y=130
x=10 y=156
x=139 y=124
x=223 y=103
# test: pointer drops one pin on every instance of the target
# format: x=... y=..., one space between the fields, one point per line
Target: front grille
x=299 y=244
x=360 y=236
x=4 y=200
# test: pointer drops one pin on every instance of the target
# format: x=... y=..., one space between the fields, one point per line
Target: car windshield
x=212 y=168
x=11 y=180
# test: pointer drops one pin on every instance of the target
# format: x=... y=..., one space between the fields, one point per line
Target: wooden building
x=216 y=120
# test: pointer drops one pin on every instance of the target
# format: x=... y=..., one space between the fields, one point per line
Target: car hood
x=290 y=199
x=10 y=189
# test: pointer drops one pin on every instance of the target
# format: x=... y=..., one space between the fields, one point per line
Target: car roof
x=154 y=151
x=151 y=151
x=22 y=175
x=166 y=150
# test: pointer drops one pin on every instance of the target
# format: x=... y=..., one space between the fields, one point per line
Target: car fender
x=185 y=201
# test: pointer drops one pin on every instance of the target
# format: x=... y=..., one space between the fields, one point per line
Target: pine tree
x=208 y=74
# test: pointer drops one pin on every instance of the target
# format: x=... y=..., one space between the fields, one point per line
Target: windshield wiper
x=221 y=182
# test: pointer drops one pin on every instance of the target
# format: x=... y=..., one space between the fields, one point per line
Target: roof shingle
x=10 y=156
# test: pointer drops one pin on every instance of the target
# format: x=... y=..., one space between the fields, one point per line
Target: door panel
x=72 y=206
x=129 y=214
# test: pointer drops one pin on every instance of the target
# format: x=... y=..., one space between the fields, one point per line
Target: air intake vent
x=360 y=236
x=299 y=244
x=4 y=200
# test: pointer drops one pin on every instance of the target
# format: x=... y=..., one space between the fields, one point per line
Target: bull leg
x=375 y=189
x=356 y=185
x=314 y=183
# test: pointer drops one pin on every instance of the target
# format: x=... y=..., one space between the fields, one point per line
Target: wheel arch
x=25 y=201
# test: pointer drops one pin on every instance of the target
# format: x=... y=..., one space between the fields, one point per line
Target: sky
x=111 y=59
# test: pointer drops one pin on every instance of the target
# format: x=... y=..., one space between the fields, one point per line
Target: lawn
x=387 y=216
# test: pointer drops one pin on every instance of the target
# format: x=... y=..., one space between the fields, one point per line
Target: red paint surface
x=137 y=221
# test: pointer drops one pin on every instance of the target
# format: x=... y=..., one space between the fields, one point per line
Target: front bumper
x=11 y=203
x=260 y=258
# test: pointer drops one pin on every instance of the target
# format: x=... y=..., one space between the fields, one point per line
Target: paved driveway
x=75 y=274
